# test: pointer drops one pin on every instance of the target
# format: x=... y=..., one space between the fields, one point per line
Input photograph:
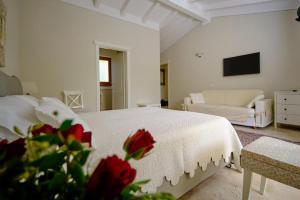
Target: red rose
x=139 y=144
x=109 y=179
x=13 y=149
x=46 y=129
x=77 y=132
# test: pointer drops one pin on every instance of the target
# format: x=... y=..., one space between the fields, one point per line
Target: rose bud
x=13 y=149
x=87 y=138
x=137 y=145
x=46 y=129
x=75 y=131
x=111 y=176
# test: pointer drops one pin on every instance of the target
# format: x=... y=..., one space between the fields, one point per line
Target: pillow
x=45 y=113
x=197 y=98
x=6 y=134
x=18 y=110
x=29 y=99
x=257 y=98
x=54 y=101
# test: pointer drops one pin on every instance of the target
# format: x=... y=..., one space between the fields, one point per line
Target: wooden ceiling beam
x=188 y=8
x=124 y=7
x=149 y=11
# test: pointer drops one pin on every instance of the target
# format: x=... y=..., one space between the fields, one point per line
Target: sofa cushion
x=197 y=98
x=232 y=113
x=230 y=97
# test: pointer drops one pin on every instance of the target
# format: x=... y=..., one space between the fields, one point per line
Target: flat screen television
x=240 y=65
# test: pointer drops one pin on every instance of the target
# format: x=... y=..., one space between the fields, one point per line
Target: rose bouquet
x=50 y=163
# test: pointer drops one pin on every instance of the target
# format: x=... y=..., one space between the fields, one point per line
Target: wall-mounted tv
x=240 y=65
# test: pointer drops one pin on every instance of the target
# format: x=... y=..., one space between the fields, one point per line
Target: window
x=105 y=71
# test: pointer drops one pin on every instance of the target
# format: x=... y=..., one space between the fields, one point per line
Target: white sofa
x=242 y=107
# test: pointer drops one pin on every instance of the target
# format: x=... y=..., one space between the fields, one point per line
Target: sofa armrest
x=263 y=112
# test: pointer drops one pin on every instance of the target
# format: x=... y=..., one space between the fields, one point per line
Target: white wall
x=275 y=35
x=12 y=56
x=58 y=53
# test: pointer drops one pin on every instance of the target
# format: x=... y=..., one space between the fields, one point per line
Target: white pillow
x=45 y=113
x=197 y=98
x=6 y=134
x=257 y=98
x=53 y=100
x=18 y=110
x=29 y=99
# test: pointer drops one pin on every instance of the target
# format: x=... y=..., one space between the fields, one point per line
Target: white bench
x=272 y=158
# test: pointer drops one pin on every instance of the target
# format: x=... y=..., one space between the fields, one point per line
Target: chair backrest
x=74 y=99
x=231 y=97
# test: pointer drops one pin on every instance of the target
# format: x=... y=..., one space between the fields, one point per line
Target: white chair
x=74 y=99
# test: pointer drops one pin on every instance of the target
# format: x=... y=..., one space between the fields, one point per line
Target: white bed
x=187 y=143
x=184 y=140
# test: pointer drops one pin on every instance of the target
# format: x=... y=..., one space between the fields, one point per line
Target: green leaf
x=77 y=173
x=52 y=139
x=75 y=146
x=130 y=190
x=66 y=125
x=57 y=181
x=51 y=161
x=143 y=182
x=156 y=196
x=2 y=155
x=82 y=156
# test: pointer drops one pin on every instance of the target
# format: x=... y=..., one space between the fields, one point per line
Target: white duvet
x=184 y=140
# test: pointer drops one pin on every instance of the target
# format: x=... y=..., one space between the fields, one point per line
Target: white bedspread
x=184 y=140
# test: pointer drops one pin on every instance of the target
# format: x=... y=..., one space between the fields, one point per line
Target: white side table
x=271 y=158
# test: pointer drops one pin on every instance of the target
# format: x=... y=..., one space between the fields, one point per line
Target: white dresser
x=287 y=108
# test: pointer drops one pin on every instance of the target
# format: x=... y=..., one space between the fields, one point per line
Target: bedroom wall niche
x=279 y=45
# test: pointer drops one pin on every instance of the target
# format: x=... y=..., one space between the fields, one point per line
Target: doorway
x=164 y=86
x=111 y=79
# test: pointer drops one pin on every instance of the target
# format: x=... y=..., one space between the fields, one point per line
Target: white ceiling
x=175 y=18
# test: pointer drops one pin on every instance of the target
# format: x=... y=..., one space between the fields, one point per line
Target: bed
x=189 y=147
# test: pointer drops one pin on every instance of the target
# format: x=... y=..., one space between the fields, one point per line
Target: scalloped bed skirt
x=185 y=142
x=186 y=183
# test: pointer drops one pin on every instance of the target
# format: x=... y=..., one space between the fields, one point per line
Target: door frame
x=126 y=74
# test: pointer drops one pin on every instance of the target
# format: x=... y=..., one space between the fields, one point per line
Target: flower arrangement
x=49 y=164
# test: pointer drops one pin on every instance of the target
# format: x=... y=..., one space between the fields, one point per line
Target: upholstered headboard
x=9 y=85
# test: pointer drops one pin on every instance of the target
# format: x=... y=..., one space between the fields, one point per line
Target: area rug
x=247 y=138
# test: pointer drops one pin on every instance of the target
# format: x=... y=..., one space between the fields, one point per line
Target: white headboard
x=10 y=85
